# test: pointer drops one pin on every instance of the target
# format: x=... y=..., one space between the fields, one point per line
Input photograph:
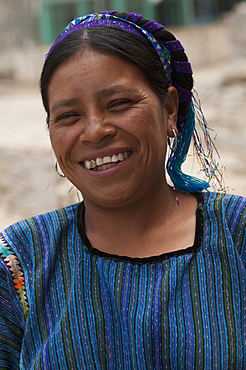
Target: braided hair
x=112 y=38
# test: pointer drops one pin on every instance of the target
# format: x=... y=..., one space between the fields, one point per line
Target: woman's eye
x=119 y=103
x=67 y=116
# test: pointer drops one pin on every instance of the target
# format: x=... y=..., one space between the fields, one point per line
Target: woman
x=140 y=275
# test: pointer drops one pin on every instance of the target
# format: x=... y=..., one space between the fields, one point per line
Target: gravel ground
x=29 y=184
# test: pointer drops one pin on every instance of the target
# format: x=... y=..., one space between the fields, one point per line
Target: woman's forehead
x=94 y=62
x=92 y=71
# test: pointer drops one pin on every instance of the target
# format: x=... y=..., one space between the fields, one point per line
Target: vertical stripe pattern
x=86 y=311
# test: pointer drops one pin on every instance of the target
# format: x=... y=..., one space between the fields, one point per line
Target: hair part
x=108 y=40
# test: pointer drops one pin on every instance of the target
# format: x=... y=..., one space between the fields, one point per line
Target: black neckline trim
x=153 y=259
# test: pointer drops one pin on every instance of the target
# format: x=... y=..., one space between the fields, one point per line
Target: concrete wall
x=204 y=45
x=22 y=64
x=238 y=29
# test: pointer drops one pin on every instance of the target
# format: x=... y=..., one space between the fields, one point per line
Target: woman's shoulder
x=225 y=201
x=228 y=207
x=227 y=211
x=33 y=241
x=43 y=226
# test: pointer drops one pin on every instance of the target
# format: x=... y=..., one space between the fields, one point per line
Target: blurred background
x=214 y=35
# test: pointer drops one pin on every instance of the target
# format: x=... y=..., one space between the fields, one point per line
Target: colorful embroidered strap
x=11 y=261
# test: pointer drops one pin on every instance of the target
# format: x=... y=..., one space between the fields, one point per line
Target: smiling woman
x=141 y=274
x=109 y=114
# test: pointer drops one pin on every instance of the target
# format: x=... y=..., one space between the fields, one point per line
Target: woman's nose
x=97 y=129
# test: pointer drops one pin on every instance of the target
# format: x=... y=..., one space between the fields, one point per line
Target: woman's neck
x=143 y=230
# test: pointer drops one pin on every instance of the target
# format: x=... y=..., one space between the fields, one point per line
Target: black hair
x=122 y=44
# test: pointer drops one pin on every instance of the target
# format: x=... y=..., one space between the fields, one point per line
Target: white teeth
x=88 y=164
x=107 y=159
x=105 y=162
x=105 y=166
x=99 y=161
x=121 y=157
x=115 y=158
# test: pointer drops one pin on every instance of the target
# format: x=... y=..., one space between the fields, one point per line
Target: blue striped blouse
x=65 y=305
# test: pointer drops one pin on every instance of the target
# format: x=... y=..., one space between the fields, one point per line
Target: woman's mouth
x=104 y=163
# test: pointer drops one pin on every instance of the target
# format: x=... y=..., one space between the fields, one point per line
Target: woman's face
x=108 y=128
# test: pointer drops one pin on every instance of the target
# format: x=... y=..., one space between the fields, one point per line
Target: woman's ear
x=172 y=106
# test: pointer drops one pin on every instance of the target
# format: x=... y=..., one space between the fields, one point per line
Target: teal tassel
x=180 y=180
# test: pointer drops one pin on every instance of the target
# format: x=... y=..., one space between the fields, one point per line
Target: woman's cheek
x=59 y=138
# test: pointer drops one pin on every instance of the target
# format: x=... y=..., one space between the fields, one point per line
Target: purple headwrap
x=129 y=24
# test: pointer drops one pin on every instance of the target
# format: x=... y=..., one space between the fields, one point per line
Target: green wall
x=57 y=13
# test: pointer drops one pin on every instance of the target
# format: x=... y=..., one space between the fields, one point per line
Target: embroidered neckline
x=11 y=261
x=153 y=259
